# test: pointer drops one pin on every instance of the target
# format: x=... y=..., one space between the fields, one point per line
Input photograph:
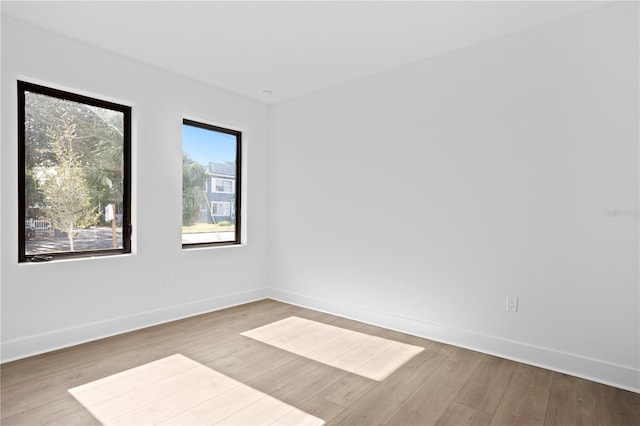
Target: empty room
x=320 y=213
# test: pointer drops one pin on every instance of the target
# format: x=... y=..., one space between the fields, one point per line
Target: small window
x=74 y=175
x=223 y=185
x=221 y=208
x=210 y=185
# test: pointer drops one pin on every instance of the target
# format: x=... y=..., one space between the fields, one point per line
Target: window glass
x=210 y=185
x=223 y=185
x=74 y=175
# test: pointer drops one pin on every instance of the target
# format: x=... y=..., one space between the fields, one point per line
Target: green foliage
x=97 y=146
x=65 y=187
x=194 y=177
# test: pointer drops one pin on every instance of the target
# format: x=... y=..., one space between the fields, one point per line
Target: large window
x=210 y=185
x=74 y=175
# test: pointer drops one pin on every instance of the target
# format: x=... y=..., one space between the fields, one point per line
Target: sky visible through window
x=205 y=146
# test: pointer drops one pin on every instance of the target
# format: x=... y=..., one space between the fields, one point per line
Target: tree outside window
x=74 y=175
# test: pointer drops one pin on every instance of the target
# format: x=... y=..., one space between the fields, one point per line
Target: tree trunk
x=70 y=235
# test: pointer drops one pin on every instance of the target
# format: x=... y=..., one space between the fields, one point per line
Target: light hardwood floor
x=442 y=385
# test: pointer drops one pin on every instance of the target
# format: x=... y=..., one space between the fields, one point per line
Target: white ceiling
x=292 y=47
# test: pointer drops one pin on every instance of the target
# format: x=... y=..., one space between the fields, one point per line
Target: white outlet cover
x=512 y=304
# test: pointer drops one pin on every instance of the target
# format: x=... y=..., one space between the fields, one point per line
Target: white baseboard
x=58 y=339
x=620 y=376
x=623 y=377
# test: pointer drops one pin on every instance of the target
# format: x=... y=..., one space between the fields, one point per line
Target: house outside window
x=222 y=192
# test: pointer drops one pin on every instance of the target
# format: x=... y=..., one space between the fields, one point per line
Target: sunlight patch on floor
x=177 y=390
x=368 y=356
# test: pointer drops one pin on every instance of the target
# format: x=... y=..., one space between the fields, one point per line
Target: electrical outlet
x=167 y=282
x=512 y=304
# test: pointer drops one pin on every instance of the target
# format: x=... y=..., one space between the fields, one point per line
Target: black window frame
x=127 y=230
x=238 y=185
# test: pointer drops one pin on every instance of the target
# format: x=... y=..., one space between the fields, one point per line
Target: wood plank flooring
x=442 y=385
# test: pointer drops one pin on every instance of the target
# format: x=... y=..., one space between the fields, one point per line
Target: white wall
x=49 y=305
x=421 y=197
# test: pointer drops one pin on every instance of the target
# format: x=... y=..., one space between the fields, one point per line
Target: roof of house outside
x=226 y=168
